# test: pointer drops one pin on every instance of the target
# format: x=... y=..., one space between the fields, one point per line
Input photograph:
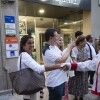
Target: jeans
x=56 y=93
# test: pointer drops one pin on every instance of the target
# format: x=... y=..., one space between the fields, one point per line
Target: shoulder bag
x=26 y=81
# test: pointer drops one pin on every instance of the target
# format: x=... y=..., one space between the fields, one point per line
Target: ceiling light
x=65 y=23
x=74 y=22
x=43 y=0
x=41 y=11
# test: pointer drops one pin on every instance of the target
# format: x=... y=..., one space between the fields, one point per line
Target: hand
x=71 y=45
x=64 y=68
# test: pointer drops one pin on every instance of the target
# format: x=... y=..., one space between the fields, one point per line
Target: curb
x=4 y=92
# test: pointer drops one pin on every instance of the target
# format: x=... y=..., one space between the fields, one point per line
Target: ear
x=50 y=38
x=24 y=47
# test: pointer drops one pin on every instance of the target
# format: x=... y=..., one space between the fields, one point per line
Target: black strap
x=90 y=51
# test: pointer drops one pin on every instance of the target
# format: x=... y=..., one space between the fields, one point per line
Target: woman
x=60 y=45
x=26 y=49
x=78 y=85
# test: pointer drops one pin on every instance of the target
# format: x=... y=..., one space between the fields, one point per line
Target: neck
x=79 y=47
x=50 y=43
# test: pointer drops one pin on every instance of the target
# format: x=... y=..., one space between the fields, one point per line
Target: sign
x=11 y=43
x=12 y=54
x=9 y=19
x=10 y=32
x=10 y=25
x=9 y=22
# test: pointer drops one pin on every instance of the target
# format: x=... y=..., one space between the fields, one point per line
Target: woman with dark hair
x=26 y=49
x=78 y=85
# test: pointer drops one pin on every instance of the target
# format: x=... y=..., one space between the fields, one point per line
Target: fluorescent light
x=43 y=0
x=74 y=22
x=65 y=23
x=41 y=11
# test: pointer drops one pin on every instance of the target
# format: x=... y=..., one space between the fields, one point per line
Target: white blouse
x=28 y=62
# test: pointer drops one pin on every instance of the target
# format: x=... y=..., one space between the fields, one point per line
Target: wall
x=95 y=18
x=86 y=22
x=6 y=65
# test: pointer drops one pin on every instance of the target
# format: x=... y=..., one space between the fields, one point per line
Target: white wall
x=95 y=18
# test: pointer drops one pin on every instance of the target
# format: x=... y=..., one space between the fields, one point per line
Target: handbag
x=26 y=81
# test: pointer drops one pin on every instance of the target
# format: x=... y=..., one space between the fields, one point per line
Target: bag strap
x=20 y=69
x=90 y=51
x=20 y=61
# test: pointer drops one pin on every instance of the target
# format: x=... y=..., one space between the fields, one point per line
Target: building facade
x=21 y=17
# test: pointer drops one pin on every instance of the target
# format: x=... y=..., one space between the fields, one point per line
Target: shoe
x=81 y=98
x=90 y=86
x=76 y=98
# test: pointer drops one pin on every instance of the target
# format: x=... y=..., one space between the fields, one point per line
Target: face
x=91 y=40
x=55 y=38
x=60 y=41
x=82 y=44
x=29 y=46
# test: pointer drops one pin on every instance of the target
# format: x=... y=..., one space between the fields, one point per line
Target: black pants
x=91 y=75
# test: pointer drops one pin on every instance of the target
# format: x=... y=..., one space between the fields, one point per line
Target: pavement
x=9 y=96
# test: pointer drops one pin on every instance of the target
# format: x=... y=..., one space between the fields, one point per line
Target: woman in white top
x=26 y=49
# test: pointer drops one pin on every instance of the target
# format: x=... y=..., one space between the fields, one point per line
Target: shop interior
x=35 y=18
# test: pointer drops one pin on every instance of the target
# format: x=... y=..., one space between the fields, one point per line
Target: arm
x=53 y=67
x=31 y=63
x=83 y=66
x=66 y=54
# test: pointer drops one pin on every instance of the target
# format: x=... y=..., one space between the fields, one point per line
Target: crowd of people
x=68 y=68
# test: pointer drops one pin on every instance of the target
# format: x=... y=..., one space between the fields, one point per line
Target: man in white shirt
x=55 y=80
x=91 y=55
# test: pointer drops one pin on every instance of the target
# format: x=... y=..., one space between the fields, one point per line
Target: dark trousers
x=91 y=75
x=56 y=93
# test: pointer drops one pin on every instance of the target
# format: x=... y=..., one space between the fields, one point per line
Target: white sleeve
x=31 y=63
x=87 y=65
x=52 y=56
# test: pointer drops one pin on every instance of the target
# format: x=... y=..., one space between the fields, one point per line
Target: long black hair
x=23 y=42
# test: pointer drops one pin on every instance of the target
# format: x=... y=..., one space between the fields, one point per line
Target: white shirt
x=92 y=50
x=28 y=62
x=56 y=77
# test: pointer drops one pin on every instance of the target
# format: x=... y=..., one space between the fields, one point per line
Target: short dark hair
x=49 y=33
x=80 y=39
x=78 y=33
x=23 y=42
x=88 y=37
